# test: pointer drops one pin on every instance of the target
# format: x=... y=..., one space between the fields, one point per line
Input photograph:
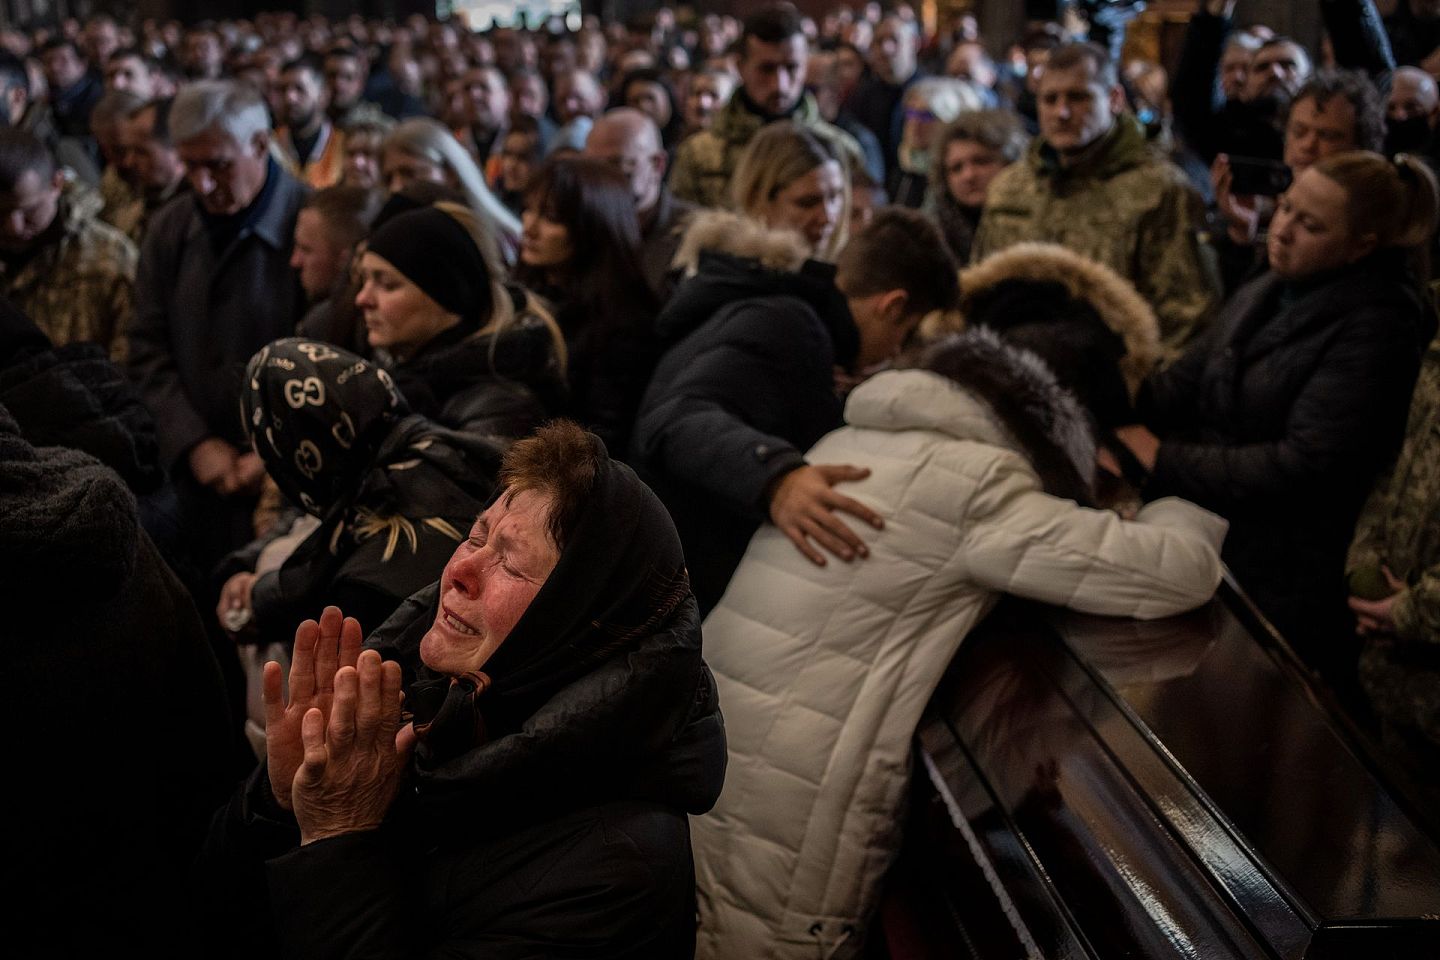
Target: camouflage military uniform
x=1400 y=528
x=706 y=160
x=79 y=286
x=122 y=207
x=1122 y=206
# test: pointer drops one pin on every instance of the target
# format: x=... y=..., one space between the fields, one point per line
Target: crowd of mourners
x=394 y=401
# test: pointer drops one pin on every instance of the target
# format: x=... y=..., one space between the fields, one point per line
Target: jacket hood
x=722 y=231
x=1112 y=297
x=68 y=521
x=977 y=387
x=727 y=257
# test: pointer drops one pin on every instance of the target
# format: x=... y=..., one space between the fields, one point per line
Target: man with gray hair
x=214 y=285
x=629 y=141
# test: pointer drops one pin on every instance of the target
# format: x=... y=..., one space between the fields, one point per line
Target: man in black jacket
x=756 y=377
x=214 y=285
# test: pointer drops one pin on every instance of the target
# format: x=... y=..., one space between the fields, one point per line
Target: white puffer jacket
x=824 y=671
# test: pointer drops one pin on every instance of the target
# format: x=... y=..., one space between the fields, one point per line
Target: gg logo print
x=308 y=460
x=316 y=351
x=300 y=392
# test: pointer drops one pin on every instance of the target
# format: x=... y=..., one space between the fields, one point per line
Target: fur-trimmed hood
x=728 y=258
x=975 y=386
x=722 y=231
x=1112 y=297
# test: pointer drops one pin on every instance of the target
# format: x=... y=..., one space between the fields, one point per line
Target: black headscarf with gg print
x=317 y=414
x=394 y=492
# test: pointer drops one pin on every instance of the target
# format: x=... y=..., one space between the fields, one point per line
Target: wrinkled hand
x=235 y=595
x=321 y=649
x=212 y=462
x=1141 y=442
x=803 y=506
x=1377 y=616
x=354 y=763
x=1241 y=212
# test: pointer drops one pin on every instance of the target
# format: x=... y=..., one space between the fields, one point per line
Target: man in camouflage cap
x=69 y=272
x=1091 y=183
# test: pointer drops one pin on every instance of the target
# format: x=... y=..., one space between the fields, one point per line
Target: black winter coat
x=490 y=387
x=571 y=839
x=1279 y=419
x=120 y=742
x=736 y=402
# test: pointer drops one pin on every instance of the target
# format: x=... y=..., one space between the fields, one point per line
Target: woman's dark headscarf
x=317 y=415
x=620 y=577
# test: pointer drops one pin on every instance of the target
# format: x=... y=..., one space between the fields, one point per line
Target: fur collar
x=977 y=387
x=1122 y=309
x=721 y=231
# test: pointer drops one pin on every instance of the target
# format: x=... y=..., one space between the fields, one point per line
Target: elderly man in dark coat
x=213 y=286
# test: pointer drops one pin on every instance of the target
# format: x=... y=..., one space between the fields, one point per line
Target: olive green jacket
x=79 y=286
x=1400 y=525
x=1121 y=205
x=1400 y=528
x=705 y=161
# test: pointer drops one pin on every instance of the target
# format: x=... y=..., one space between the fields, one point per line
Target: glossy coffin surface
x=1170 y=789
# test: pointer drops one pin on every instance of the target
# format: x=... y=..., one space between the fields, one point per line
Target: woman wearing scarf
x=563 y=726
x=385 y=494
x=466 y=351
x=388 y=492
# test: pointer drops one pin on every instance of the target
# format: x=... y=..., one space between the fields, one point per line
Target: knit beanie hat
x=436 y=253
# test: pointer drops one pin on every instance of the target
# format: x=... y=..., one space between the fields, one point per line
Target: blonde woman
x=793 y=178
x=421 y=149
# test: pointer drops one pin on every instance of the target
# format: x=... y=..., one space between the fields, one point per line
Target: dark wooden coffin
x=1097 y=788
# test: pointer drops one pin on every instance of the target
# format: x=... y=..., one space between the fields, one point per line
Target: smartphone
x=1254 y=176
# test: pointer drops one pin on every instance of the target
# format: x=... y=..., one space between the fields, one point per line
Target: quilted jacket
x=824 y=671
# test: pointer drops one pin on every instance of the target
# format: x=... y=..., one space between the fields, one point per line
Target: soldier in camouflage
x=1394 y=577
x=150 y=162
x=1092 y=183
x=773 y=57
x=59 y=263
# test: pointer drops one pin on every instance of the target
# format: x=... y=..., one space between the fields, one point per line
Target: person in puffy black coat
x=104 y=653
x=563 y=726
x=1281 y=416
x=468 y=352
x=766 y=341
